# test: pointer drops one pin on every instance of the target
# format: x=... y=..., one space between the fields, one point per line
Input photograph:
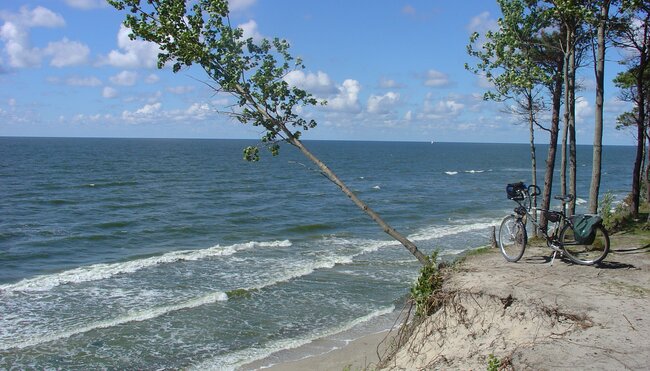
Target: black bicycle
x=581 y=238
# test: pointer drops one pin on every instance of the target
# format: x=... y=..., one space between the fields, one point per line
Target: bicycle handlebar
x=536 y=190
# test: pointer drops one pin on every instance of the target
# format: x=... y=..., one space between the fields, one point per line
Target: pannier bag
x=515 y=191
x=584 y=228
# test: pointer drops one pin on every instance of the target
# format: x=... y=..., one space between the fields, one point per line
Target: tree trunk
x=641 y=131
x=636 y=173
x=533 y=157
x=410 y=246
x=599 y=67
x=552 y=148
x=573 y=165
x=565 y=128
x=293 y=140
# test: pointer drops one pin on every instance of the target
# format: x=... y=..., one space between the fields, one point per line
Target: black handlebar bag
x=515 y=191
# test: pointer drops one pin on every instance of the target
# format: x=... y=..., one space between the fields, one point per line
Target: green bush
x=614 y=217
x=493 y=363
x=428 y=283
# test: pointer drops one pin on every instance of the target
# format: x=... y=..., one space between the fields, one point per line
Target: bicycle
x=581 y=238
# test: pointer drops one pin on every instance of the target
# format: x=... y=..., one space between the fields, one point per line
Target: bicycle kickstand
x=553 y=258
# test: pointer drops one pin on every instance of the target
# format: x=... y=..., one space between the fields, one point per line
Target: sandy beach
x=525 y=315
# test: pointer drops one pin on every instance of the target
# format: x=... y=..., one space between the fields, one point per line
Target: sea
x=178 y=254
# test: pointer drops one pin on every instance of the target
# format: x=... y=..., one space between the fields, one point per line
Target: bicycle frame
x=587 y=245
x=523 y=212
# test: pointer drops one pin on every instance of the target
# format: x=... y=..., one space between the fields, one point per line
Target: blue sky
x=390 y=70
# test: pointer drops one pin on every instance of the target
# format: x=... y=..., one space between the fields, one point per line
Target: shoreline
x=354 y=348
x=525 y=315
x=357 y=354
x=356 y=345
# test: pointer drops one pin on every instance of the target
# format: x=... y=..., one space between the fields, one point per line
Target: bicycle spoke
x=512 y=238
x=588 y=252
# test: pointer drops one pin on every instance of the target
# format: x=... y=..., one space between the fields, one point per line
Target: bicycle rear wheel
x=585 y=253
x=512 y=238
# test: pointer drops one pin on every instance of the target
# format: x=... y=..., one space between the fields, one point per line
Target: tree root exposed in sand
x=467 y=327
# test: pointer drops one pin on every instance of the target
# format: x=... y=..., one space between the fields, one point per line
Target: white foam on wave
x=286 y=274
x=305 y=269
x=103 y=271
x=466 y=172
x=365 y=245
x=432 y=232
x=242 y=357
x=580 y=201
x=137 y=316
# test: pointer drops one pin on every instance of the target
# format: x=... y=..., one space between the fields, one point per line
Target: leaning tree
x=200 y=33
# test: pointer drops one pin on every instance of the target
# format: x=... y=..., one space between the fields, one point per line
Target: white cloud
x=132 y=53
x=449 y=107
x=39 y=17
x=154 y=113
x=484 y=83
x=436 y=79
x=382 y=104
x=238 y=5
x=343 y=97
x=184 y=89
x=250 y=31
x=199 y=110
x=109 y=92
x=149 y=109
x=347 y=99
x=152 y=79
x=86 y=4
x=124 y=78
x=83 y=118
x=444 y=109
x=17 y=46
x=15 y=33
x=316 y=83
x=389 y=83
x=408 y=116
x=482 y=23
x=67 y=53
x=83 y=81
x=583 y=110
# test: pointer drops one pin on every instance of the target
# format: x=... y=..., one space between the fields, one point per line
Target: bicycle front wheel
x=588 y=252
x=512 y=238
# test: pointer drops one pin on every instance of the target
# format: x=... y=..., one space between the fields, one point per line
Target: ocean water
x=155 y=253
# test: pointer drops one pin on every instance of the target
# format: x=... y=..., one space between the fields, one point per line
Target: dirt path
x=531 y=315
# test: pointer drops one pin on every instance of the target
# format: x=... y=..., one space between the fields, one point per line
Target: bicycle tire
x=585 y=254
x=512 y=238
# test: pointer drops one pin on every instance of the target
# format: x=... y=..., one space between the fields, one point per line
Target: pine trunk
x=594 y=189
x=642 y=127
x=533 y=157
x=552 y=149
x=573 y=165
x=565 y=128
